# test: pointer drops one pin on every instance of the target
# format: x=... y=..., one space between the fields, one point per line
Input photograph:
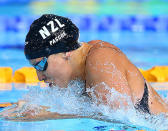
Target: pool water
x=65 y=125
x=15 y=93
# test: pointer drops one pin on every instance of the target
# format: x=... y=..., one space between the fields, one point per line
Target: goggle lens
x=41 y=65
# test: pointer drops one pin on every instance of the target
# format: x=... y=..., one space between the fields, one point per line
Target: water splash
x=69 y=100
x=73 y=100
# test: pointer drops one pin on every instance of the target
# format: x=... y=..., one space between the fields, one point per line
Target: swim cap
x=51 y=34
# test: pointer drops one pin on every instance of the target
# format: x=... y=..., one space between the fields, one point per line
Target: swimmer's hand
x=9 y=111
x=17 y=114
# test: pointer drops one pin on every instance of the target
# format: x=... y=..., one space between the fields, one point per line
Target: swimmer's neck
x=78 y=60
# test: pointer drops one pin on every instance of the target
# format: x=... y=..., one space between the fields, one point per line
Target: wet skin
x=97 y=62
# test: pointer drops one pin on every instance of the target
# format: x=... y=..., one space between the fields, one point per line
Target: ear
x=67 y=55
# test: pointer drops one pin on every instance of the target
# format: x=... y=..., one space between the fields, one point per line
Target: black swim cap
x=51 y=34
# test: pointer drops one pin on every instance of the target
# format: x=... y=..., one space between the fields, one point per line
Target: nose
x=40 y=76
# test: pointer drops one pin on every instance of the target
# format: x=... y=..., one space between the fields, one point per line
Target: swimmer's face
x=58 y=71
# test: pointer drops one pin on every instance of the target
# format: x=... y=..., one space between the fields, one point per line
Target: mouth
x=51 y=84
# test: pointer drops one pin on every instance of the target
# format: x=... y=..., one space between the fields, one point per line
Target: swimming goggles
x=41 y=65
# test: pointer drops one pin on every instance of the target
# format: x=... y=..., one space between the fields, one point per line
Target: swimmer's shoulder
x=103 y=52
x=106 y=53
x=103 y=46
x=93 y=42
x=98 y=42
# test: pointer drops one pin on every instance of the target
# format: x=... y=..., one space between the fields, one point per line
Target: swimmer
x=53 y=49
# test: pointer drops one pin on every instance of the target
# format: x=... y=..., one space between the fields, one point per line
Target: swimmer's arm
x=53 y=116
x=43 y=115
x=14 y=114
x=104 y=68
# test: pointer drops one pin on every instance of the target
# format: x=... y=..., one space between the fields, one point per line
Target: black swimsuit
x=142 y=105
